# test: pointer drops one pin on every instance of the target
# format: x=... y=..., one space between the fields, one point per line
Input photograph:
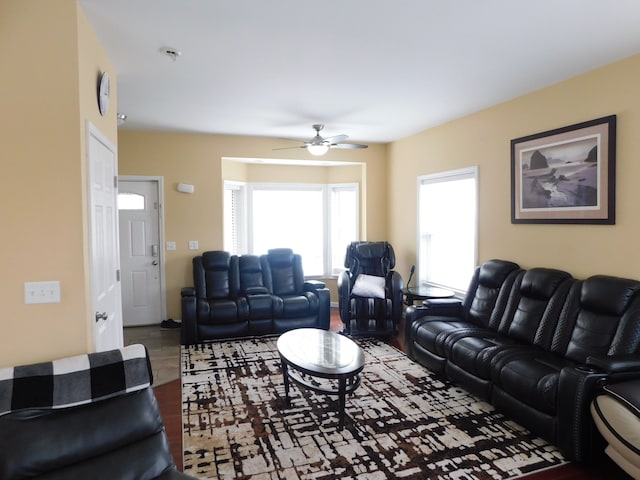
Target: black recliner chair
x=92 y=416
x=370 y=291
x=296 y=303
x=212 y=308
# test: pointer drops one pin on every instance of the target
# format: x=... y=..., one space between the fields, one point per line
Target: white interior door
x=103 y=225
x=140 y=248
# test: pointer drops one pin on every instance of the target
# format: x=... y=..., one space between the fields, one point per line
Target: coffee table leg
x=285 y=375
x=342 y=392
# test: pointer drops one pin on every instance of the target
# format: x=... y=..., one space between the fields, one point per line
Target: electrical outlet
x=193 y=245
x=41 y=292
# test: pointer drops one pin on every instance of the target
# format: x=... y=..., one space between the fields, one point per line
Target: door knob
x=101 y=316
x=155 y=262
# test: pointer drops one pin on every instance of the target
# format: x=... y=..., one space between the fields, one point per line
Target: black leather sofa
x=86 y=417
x=248 y=295
x=537 y=344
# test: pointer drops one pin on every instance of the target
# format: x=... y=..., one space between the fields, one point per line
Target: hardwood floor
x=169 y=399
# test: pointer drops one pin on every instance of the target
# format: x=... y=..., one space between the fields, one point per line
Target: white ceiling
x=377 y=70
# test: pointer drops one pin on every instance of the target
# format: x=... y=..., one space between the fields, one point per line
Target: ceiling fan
x=319 y=146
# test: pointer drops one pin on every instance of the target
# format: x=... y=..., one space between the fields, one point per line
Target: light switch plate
x=171 y=246
x=193 y=245
x=41 y=292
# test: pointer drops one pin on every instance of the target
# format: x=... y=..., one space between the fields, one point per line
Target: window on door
x=130 y=201
x=317 y=221
x=447 y=228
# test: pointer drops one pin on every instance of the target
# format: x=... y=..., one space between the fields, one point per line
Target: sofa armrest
x=396 y=284
x=255 y=291
x=188 y=292
x=627 y=393
x=189 y=332
x=324 y=312
x=442 y=307
x=615 y=364
x=446 y=307
x=313 y=285
x=344 y=294
x=577 y=386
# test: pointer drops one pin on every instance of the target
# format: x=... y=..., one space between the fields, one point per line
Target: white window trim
x=467 y=172
x=246 y=235
x=331 y=187
x=243 y=225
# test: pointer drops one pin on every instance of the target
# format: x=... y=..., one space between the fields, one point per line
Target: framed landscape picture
x=566 y=175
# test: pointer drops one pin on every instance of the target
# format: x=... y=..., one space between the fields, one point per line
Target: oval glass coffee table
x=321 y=354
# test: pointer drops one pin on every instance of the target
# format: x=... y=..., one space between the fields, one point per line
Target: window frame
x=241 y=212
x=245 y=230
x=440 y=177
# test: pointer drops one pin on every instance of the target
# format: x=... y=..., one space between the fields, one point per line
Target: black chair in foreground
x=88 y=416
x=370 y=291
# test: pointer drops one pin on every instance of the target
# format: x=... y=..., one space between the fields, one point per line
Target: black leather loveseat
x=90 y=416
x=236 y=296
x=537 y=344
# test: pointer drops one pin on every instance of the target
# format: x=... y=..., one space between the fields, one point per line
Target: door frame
x=160 y=181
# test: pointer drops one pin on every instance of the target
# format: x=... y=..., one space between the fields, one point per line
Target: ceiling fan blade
x=336 y=138
x=348 y=145
x=289 y=148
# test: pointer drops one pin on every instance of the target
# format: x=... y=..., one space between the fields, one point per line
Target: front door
x=139 y=208
x=103 y=232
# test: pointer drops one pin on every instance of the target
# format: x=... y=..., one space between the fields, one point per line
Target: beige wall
x=198 y=159
x=46 y=89
x=483 y=139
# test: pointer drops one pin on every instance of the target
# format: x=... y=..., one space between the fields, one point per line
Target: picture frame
x=566 y=175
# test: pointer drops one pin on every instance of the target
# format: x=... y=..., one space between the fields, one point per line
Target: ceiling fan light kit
x=319 y=146
x=317 y=149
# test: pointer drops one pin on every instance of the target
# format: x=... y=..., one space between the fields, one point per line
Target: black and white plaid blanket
x=75 y=380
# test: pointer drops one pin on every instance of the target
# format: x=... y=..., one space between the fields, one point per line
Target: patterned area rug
x=402 y=422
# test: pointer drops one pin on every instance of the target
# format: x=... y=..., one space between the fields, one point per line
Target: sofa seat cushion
x=292 y=306
x=214 y=312
x=475 y=353
x=432 y=332
x=531 y=376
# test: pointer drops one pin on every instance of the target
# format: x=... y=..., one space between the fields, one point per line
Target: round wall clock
x=103 y=93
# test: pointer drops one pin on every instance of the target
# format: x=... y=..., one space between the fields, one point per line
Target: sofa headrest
x=215 y=260
x=77 y=380
x=380 y=253
x=249 y=263
x=541 y=283
x=608 y=295
x=493 y=273
x=280 y=257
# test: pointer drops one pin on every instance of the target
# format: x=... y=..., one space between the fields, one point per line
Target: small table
x=425 y=292
x=321 y=354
